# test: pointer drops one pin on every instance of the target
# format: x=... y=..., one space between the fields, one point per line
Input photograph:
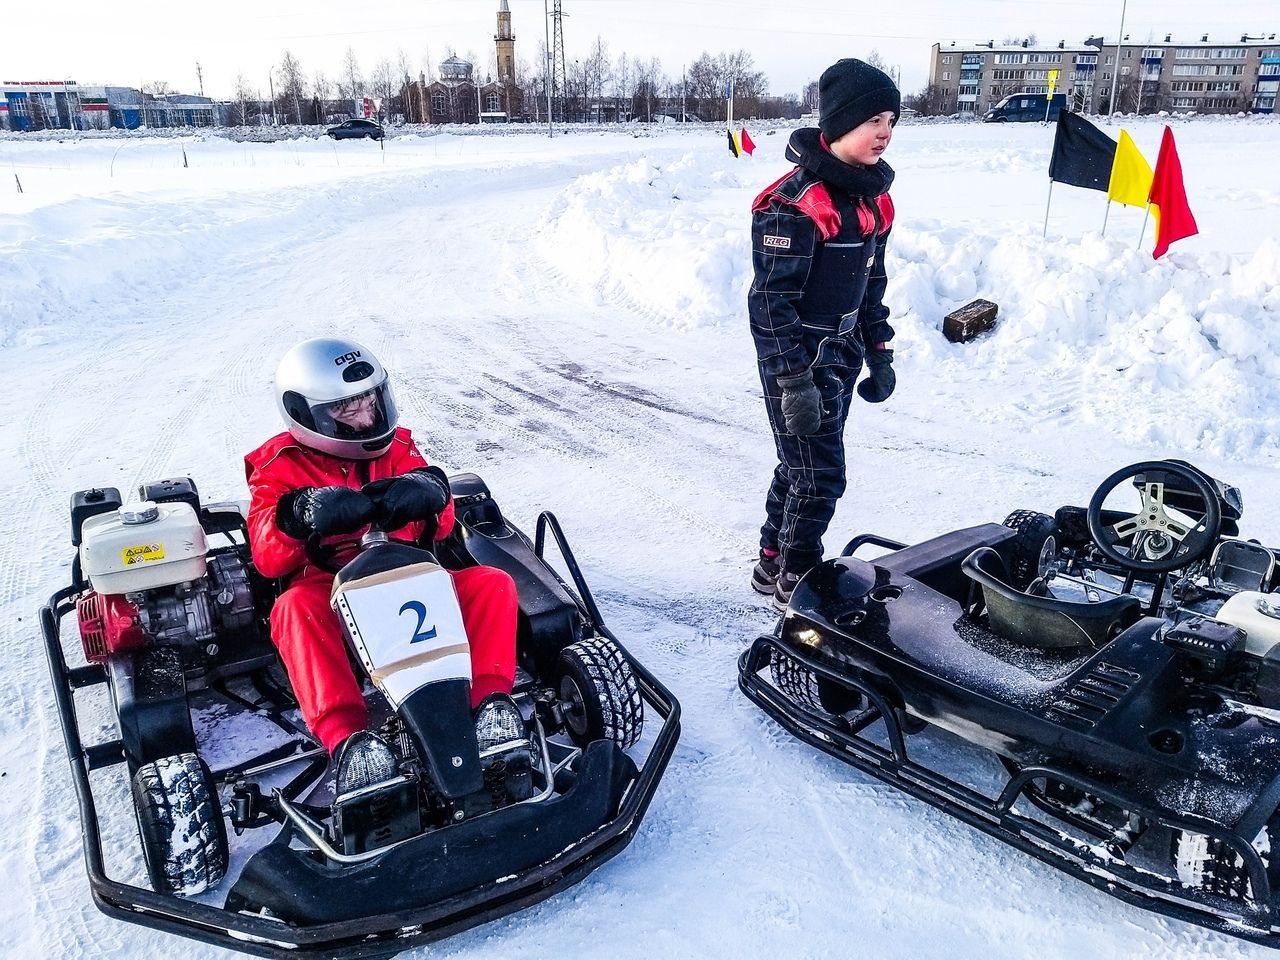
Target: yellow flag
x=1130 y=174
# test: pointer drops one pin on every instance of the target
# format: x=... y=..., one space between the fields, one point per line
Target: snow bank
x=1180 y=353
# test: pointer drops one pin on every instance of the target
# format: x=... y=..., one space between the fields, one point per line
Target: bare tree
x=648 y=88
x=320 y=89
x=241 y=96
x=384 y=83
x=809 y=98
x=933 y=101
x=291 y=88
x=157 y=88
x=596 y=74
x=350 y=80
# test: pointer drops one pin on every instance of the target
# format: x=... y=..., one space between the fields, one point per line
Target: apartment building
x=1201 y=75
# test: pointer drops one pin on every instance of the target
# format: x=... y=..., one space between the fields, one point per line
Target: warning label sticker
x=142 y=553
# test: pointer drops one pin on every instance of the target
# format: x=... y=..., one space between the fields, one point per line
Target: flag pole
x=1104 y=217
x=1047 y=201
x=1115 y=72
x=1145 y=217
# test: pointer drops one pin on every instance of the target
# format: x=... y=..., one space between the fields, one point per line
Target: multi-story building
x=65 y=105
x=1203 y=75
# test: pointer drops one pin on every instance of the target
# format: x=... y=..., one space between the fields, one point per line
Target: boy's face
x=357 y=413
x=863 y=144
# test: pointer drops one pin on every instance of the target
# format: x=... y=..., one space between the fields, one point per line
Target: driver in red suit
x=342 y=464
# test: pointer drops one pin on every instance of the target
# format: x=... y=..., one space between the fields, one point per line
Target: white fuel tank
x=142 y=546
x=1258 y=615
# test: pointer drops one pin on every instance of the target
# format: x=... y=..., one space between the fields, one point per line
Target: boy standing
x=818 y=240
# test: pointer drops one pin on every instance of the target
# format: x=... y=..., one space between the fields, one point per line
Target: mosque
x=458 y=96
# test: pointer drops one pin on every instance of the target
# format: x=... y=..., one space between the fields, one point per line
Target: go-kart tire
x=184 y=839
x=807 y=689
x=600 y=694
x=1207 y=864
x=1033 y=531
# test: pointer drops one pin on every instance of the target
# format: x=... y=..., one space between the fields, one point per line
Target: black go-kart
x=1121 y=661
x=246 y=841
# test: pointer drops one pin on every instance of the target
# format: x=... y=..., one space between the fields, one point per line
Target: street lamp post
x=271 y=85
x=1115 y=72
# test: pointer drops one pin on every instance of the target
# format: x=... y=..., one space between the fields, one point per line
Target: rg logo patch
x=777 y=243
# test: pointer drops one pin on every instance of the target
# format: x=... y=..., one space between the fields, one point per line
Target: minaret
x=506 y=43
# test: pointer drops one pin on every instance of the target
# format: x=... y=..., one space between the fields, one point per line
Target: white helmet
x=320 y=383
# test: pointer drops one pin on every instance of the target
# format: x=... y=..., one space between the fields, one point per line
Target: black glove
x=881 y=379
x=323 y=510
x=801 y=404
x=417 y=495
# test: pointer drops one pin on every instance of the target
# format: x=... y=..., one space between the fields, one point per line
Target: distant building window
x=946 y=74
x=437 y=103
x=946 y=59
x=492 y=103
x=1184 y=101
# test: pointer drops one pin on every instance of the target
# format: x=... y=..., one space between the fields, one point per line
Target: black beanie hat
x=851 y=93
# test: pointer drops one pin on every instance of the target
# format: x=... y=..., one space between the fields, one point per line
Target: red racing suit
x=305 y=628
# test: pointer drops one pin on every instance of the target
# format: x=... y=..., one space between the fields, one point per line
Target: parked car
x=356 y=129
x=1027 y=106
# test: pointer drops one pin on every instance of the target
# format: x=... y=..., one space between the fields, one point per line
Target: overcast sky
x=131 y=44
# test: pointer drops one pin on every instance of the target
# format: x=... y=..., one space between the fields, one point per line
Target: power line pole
x=200 y=78
x=548 y=69
x=559 y=75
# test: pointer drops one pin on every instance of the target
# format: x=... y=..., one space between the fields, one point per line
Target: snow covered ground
x=566 y=317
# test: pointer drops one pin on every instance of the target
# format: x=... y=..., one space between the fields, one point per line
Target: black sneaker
x=364 y=760
x=782 y=589
x=765 y=575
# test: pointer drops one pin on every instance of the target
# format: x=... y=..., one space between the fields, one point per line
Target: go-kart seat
x=1036 y=619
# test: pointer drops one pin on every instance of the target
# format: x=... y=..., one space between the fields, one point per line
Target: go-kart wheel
x=184 y=839
x=795 y=680
x=1034 y=545
x=808 y=689
x=1156 y=541
x=599 y=694
x=1206 y=863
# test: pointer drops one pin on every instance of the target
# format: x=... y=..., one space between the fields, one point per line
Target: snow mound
x=1180 y=353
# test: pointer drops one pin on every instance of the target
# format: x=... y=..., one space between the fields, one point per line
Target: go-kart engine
x=194 y=613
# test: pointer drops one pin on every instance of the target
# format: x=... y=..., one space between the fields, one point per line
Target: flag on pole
x=1082 y=154
x=734 y=147
x=1168 y=192
x=1130 y=174
x=1053 y=81
x=745 y=142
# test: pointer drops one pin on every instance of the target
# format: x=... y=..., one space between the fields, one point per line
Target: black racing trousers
x=810 y=476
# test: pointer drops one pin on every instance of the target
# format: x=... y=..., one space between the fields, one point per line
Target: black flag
x=1082 y=154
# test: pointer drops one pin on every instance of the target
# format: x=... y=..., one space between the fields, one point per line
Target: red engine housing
x=108 y=624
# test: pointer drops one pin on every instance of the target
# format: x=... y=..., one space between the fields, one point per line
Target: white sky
x=94 y=42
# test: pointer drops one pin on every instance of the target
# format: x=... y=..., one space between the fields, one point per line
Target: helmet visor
x=369 y=415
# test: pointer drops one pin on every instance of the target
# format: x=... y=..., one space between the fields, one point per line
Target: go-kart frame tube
x=1253 y=919
x=382 y=935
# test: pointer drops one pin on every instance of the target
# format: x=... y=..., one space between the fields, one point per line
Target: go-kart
x=245 y=839
x=1122 y=665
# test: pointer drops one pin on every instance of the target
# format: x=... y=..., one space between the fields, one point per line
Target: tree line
x=597 y=86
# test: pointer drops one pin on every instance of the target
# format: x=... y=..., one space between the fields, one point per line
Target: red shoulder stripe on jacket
x=814 y=201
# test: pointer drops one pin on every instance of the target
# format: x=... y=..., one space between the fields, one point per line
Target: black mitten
x=417 y=495
x=801 y=404
x=880 y=379
x=323 y=510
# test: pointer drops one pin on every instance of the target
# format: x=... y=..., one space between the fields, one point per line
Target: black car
x=1121 y=668
x=356 y=130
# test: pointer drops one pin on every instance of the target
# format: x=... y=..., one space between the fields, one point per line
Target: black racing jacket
x=818 y=239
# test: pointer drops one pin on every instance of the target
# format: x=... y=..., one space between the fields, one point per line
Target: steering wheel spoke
x=1125 y=528
x=1152 y=541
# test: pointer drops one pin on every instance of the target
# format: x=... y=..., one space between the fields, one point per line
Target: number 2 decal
x=418 y=633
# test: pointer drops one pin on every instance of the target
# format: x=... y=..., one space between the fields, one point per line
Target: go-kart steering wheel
x=1156 y=541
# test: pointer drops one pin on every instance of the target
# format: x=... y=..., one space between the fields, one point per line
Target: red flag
x=1174 y=220
x=748 y=145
